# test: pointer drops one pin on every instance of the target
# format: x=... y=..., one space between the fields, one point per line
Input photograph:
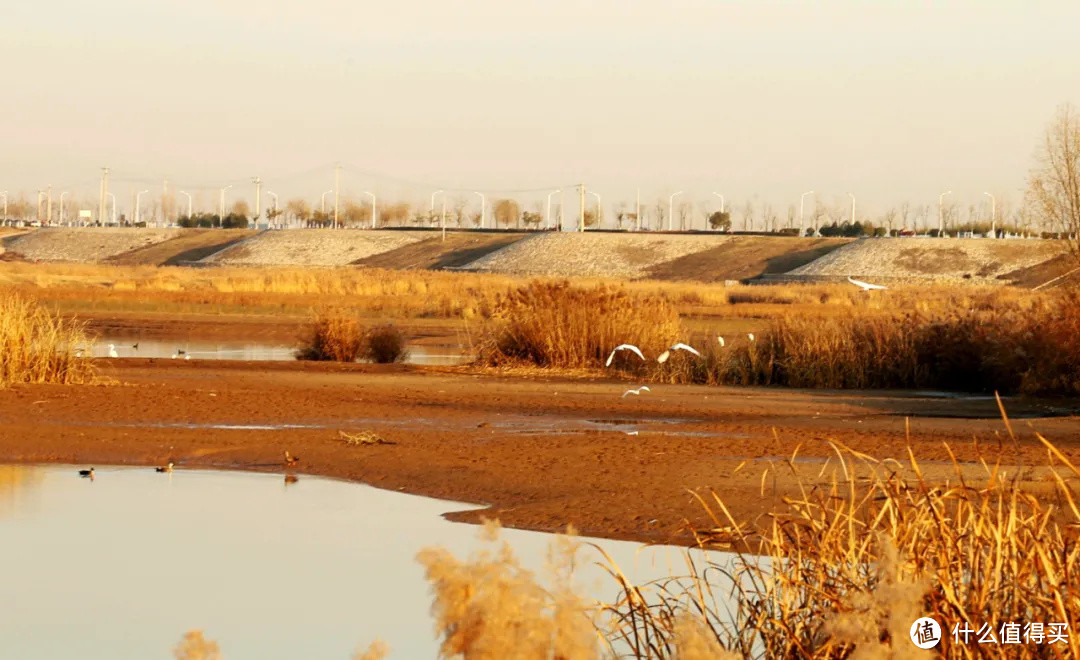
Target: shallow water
x=122 y=566
x=224 y=350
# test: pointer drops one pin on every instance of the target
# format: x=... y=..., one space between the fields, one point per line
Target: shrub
x=559 y=325
x=385 y=345
x=37 y=346
x=334 y=336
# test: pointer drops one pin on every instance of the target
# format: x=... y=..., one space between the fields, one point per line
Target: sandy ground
x=541 y=451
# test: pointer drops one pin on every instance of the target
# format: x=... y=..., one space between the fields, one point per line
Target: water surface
x=122 y=566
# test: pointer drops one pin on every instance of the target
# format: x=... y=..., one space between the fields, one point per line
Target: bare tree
x=299 y=209
x=768 y=217
x=684 y=209
x=506 y=211
x=748 y=215
x=1054 y=182
x=888 y=218
x=241 y=207
x=660 y=212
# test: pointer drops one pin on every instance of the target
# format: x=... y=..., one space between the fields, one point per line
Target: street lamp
x=274 y=195
x=188 y=203
x=483 y=208
x=670 y=211
x=138 y=209
x=941 y=213
x=431 y=207
x=598 y=209
x=802 y=207
x=221 y=214
x=721 y=201
x=62 y=206
x=993 y=215
x=547 y=212
x=322 y=201
x=374 y=212
x=852 y=196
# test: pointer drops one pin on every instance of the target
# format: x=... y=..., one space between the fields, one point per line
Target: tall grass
x=37 y=346
x=849 y=568
x=559 y=325
x=1030 y=348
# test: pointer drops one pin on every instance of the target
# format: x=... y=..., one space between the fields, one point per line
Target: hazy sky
x=890 y=100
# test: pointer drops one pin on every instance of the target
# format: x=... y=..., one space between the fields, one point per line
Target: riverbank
x=542 y=450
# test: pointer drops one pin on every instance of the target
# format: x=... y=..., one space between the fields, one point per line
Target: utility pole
x=48 y=206
x=104 y=194
x=802 y=204
x=165 y=202
x=993 y=215
x=581 y=189
x=258 y=199
x=337 y=188
x=443 y=221
x=852 y=196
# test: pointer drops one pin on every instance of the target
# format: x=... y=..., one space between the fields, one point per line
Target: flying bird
x=164 y=468
x=623 y=347
x=638 y=391
x=112 y=351
x=865 y=286
x=676 y=347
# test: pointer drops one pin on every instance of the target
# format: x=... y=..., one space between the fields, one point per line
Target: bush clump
x=559 y=325
x=337 y=336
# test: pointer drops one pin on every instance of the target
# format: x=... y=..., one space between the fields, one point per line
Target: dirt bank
x=542 y=451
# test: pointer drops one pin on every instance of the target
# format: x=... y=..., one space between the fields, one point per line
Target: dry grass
x=334 y=337
x=385 y=345
x=194 y=646
x=558 y=325
x=37 y=346
x=861 y=560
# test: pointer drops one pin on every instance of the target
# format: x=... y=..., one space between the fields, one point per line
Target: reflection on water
x=120 y=567
x=126 y=347
x=18 y=483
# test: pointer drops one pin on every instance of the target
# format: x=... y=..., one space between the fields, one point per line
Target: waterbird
x=750 y=335
x=623 y=347
x=164 y=468
x=112 y=351
x=866 y=286
x=179 y=352
x=676 y=347
x=135 y=345
x=643 y=388
x=721 y=340
x=87 y=473
x=291 y=460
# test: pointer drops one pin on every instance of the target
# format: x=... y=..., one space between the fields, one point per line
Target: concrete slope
x=312 y=247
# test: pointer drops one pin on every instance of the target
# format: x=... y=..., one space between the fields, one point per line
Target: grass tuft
x=37 y=346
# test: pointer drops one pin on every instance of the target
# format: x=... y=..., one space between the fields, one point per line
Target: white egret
x=721 y=340
x=112 y=351
x=623 y=347
x=750 y=335
x=676 y=347
x=866 y=286
x=638 y=391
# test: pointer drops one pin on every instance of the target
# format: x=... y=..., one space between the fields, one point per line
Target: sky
x=890 y=101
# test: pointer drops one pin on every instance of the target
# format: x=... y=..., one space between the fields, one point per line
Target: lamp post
x=483 y=208
x=802 y=207
x=322 y=201
x=188 y=195
x=547 y=212
x=62 y=206
x=941 y=213
x=5 y=205
x=598 y=208
x=852 y=196
x=431 y=207
x=993 y=215
x=138 y=208
x=374 y=210
x=671 y=210
x=721 y=202
x=221 y=213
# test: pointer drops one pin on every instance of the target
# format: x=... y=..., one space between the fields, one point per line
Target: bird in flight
x=638 y=391
x=866 y=286
x=623 y=347
x=676 y=347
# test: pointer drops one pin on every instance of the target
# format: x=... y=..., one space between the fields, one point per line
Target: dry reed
x=37 y=346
